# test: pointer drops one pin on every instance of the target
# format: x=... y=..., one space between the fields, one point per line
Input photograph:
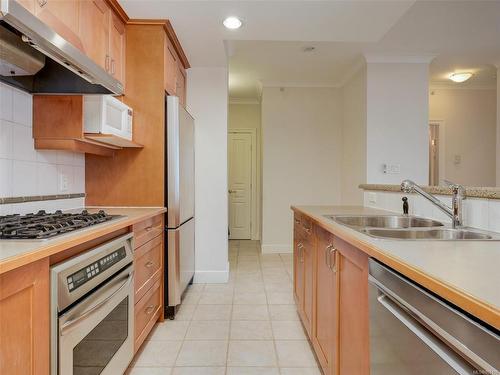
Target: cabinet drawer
x=148 y=264
x=147 y=311
x=147 y=230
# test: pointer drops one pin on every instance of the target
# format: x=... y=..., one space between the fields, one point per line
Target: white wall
x=397 y=121
x=25 y=171
x=301 y=156
x=207 y=102
x=353 y=138
x=498 y=129
x=470 y=123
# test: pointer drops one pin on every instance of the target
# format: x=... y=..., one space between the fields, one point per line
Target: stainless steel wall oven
x=92 y=316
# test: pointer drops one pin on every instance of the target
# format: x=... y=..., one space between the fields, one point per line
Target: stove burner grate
x=43 y=225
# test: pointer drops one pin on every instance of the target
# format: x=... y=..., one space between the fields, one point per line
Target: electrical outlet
x=63 y=182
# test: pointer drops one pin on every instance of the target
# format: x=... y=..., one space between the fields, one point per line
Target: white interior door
x=240 y=185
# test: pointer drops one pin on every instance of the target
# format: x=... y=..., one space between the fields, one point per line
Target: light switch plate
x=372 y=198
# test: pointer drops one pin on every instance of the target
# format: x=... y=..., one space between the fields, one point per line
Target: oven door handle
x=438 y=347
x=66 y=327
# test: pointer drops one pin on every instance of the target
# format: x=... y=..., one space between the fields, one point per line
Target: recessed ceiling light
x=308 y=49
x=460 y=77
x=232 y=23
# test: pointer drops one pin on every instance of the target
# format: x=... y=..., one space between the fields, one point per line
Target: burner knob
x=85 y=212
x=101 y=212
x=58 y=212
x=41 y=213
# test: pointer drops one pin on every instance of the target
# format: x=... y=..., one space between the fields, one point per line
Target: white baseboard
x=273 y=249
x=211 y=277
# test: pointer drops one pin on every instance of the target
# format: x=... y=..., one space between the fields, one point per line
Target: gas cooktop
x=43 y=225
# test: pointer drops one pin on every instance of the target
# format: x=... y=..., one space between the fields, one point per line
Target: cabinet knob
x=149 y=264
x=150 y=309
x=332 y=265
x=42 y=3
x=148 y=229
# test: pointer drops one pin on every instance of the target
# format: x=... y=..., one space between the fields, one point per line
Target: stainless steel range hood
x=67 y=70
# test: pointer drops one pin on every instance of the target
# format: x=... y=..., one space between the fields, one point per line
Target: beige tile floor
x=247 y=326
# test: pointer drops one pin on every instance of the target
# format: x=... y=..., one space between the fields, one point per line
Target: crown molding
x=377 y=58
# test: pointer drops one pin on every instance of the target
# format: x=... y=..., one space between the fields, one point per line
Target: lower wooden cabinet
x=331 y=292
x=304 y=277
x=148 y=267
x=325 y=322
x=24 y=320
x=353 y=335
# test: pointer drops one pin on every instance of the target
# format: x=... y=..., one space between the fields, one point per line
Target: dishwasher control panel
x=84 y=274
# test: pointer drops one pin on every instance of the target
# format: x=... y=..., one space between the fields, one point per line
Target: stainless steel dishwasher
x=414 y=332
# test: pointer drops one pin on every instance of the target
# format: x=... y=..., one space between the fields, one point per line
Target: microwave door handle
x=446 y=354
x=66 y=327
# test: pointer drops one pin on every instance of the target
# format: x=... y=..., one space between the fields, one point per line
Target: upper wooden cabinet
x=174 y=76
x=94 y=30
x=117 y=48
x=170 y=67
x=103 y=36
x=63 y=17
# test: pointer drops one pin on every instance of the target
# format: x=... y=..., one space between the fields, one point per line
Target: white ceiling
x=268 y=49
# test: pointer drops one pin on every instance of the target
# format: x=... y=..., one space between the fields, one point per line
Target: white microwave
x=104 y=114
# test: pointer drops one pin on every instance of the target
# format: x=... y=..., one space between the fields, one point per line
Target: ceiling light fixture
x=232 y=23
x=460 y=77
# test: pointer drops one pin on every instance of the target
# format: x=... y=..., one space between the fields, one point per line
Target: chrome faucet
x=458 y=195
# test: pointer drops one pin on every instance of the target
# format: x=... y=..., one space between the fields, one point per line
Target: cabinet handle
x=327 y=255
x=300 y=246
x=150 y=309
x=307 y=229
x=106 y=63
x=42 y=3
x=333 y=266
x=149 y=264
x=148 y=229
x=113 y=66
x=297 y=221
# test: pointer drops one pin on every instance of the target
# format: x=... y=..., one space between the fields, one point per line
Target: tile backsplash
x=25 y=171
x=478 y=213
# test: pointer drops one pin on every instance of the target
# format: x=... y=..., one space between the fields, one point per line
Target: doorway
x=242 y=173
x=436 y=152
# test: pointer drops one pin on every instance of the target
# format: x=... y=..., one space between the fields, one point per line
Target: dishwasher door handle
x=436 y=345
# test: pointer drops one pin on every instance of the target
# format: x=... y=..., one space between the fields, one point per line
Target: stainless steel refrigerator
x=179 y=174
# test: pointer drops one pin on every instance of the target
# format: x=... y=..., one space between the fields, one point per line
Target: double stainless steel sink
x=404 y=227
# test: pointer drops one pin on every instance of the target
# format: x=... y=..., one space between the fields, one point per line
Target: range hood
x=66 y=70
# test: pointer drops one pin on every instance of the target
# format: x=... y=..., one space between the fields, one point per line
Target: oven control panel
x=85 y=274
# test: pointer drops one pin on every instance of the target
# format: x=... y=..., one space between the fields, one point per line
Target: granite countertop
x=471 y=191
x=16 y=253
x=463 y=272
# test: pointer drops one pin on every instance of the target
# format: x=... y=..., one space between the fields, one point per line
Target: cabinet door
x=181 y=86
x=24 y=320
x=326 y=314
x=62 y=16
x=353 y=310
x=298 y=273
x=94 y=31
x=117 y=48
x=308 y=259
x=171 y=69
